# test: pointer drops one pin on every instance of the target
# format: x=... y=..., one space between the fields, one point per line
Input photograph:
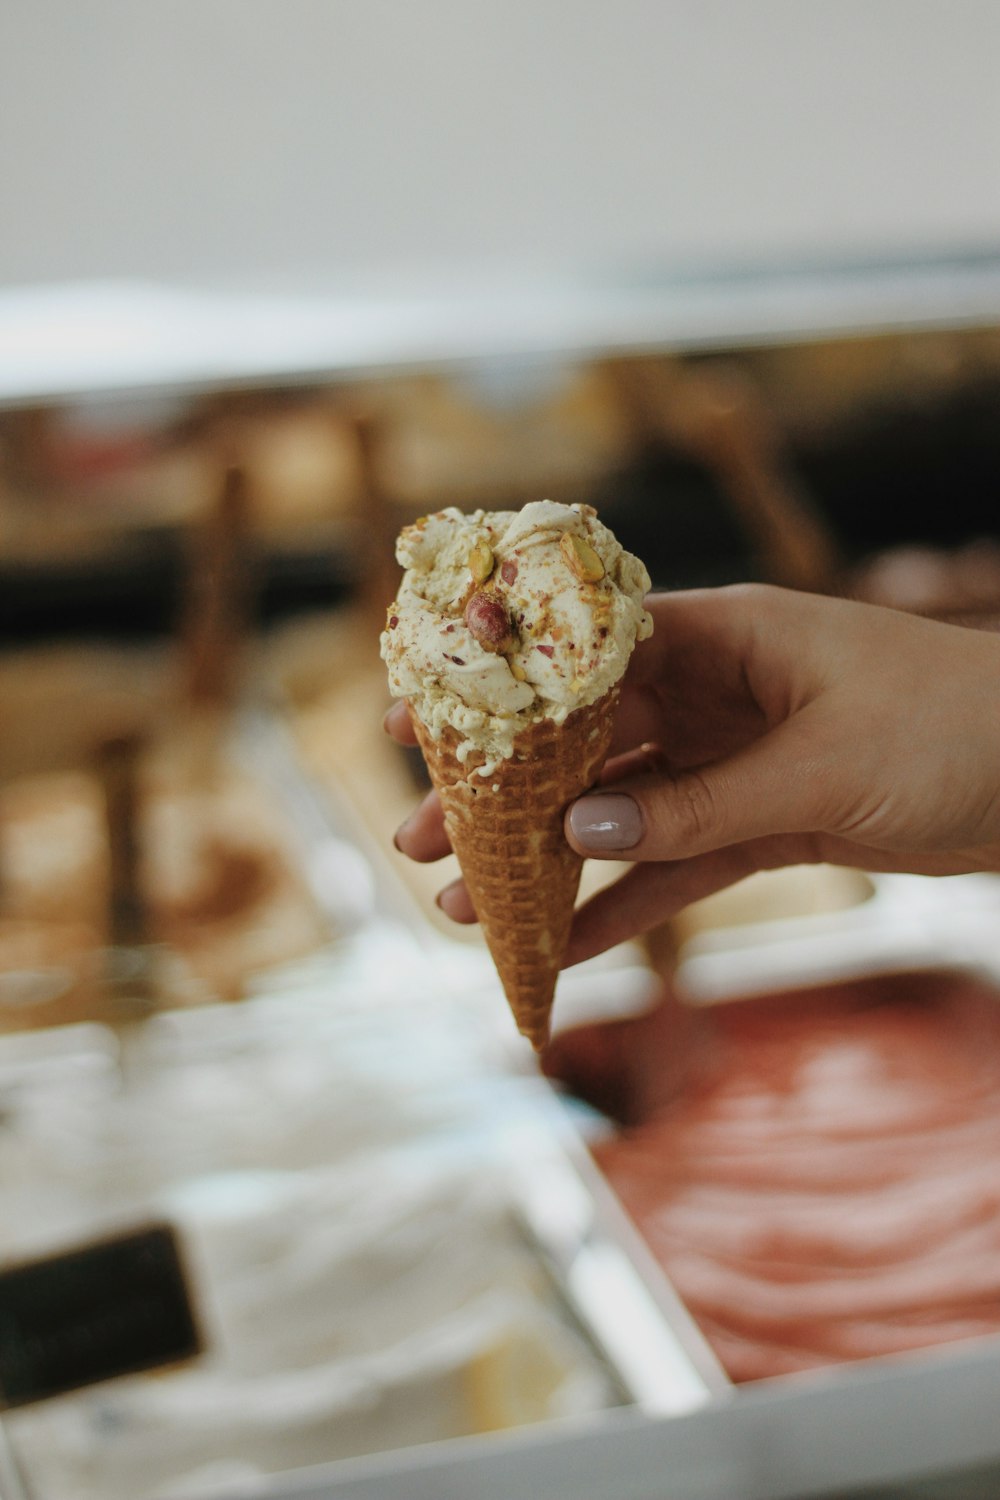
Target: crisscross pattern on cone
x=521 y=873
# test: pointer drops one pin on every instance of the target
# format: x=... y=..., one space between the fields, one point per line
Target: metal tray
x=925 y=1418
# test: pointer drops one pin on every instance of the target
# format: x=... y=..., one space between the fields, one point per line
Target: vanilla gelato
x=504 y=618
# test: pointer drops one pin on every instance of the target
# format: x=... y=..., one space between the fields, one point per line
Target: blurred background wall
x=324 y=138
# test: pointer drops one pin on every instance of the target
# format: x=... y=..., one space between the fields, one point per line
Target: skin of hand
x=760 y=727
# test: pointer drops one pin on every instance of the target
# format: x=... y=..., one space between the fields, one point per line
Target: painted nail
x=606 y=822
x=446 y=895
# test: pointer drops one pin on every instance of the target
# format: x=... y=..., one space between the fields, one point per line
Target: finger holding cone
x=508 y=639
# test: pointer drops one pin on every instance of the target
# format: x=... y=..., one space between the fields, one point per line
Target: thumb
x=782 y=783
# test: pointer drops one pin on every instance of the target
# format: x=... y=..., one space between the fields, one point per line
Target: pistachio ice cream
x=508 y=638
x=507 y=617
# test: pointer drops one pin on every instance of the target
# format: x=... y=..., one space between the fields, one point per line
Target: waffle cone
x=507 y=830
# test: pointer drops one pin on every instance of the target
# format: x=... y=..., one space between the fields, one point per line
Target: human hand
x=759 y=727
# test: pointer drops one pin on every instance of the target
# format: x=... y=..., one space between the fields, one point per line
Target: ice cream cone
x=509 y=638
x=506 y=828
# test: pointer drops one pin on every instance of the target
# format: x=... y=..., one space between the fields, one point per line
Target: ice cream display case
x=332 y=1230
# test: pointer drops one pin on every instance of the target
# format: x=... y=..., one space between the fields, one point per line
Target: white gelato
x=570 y=594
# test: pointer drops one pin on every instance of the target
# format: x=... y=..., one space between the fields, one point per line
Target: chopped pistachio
x=481 y=561
x=581 y=557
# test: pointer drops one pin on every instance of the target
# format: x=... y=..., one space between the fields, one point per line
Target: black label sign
x=111 y=1308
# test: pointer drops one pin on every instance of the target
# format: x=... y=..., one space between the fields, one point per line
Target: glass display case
x=417 y=1260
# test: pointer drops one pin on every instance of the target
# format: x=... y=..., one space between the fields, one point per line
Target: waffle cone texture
x=507 y=830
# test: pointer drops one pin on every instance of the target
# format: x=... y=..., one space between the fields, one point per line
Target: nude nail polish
x=606 y=822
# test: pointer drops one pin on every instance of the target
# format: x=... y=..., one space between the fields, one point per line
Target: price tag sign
x=114 y=1307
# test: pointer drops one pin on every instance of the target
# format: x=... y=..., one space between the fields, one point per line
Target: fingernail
x=606 y=822
x=443 y=897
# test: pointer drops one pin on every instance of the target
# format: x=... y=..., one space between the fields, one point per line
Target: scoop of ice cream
x=507 y=617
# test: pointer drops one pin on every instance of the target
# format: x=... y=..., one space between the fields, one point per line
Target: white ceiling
x=276 y=141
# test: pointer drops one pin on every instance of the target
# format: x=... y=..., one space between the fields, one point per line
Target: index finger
x=694 y=624
x=696 y=652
